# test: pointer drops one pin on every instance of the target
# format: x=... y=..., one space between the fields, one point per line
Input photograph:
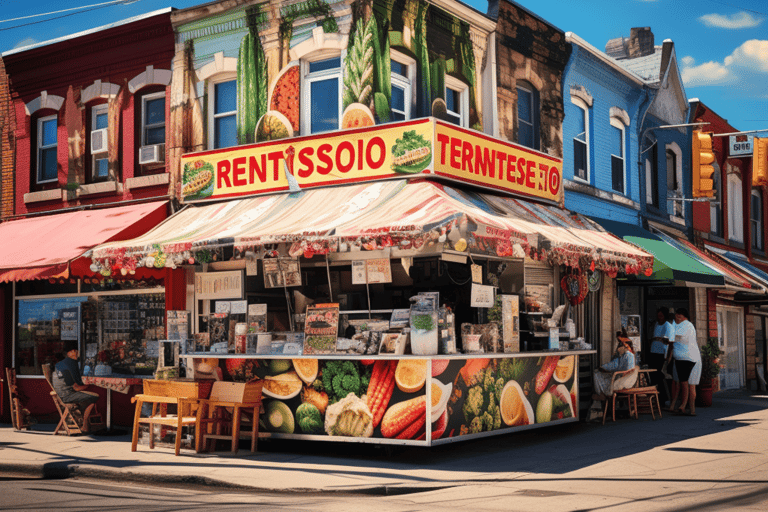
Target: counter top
x=540 y=353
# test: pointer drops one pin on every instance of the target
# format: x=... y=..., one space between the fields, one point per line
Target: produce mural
x=388 y=398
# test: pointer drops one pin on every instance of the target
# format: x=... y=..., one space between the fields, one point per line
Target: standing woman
x=663 y=333
x=687 y=356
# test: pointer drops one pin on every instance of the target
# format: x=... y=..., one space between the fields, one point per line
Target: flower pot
x=704 y=395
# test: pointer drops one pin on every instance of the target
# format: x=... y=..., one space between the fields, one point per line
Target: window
x=47 y=169
x=401 y=77
x=735 y=209
x=223 y=109
x=323 y=97
x=756 y=220
x=153 y=119
x=715 y=208
x=98 y=142
x=652 y=176
x=616 y=141
x=527 y=116
x=456 y=101
x=581 y=142
x=674 y=158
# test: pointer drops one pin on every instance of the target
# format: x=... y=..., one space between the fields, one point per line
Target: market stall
x=379 y=303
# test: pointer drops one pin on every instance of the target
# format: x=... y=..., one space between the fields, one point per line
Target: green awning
x=670 y=265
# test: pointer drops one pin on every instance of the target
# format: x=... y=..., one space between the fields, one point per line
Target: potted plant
x=710 y=369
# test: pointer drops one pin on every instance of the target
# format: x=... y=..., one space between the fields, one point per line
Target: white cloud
x=745 y=69
x=734 y=21
x=25 y=42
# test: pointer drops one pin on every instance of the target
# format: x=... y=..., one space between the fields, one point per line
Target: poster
x=631 y=323
x=279 y=272
x=177 y=326
x=482 y=296
x=477 y=274
x=321 y=328
x=70 y=324
x=257 y=318
x=219 y=285
x=378 y=271
x=359 y=274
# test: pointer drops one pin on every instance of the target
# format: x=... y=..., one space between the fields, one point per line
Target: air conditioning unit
x=98 y=141
x=152 y=154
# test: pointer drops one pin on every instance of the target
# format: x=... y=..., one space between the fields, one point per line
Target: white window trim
x=307 y=78
x=95 y=111
x=406 y=81
x=673 y=147
x=758 y=221
x=39 y=147
x=618 y=123
x=735 y=209
x=212 y=81
x=580 y=103
x=457 y=85
x=144 y=100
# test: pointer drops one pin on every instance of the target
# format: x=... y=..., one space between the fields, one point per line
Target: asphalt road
x=24 y=494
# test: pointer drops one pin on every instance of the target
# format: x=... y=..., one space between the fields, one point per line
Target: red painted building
x=83 y=142
x=733 y=227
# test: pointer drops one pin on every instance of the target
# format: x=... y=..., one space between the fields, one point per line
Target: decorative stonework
x=620 y=114
x=151 y=76
x=45 y=100
x=148 y=181
x=578 y=91
x=99 y=89
x=55 y=194
x=91 y=189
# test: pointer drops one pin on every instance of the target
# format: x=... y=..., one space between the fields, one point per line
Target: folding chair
x=71 y=422
x=20 y=417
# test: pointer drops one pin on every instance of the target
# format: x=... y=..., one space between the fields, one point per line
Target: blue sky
x=722 y=45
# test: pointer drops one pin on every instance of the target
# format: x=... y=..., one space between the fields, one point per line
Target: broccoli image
x=473 y=405
x=488 y=382
x=499 y=386
x=487 y=421
x=341 y=378
x=495 y=413
x=476 y=425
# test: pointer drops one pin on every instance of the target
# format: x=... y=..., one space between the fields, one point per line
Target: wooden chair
x=71 y=422
x=610 y=401
x=185 y=395
x=20 y=417
x=241 y=397
x=642 y=396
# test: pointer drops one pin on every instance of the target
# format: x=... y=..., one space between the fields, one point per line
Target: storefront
x=385 y=282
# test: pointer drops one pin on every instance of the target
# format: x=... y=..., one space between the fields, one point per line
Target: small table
x=119 y=383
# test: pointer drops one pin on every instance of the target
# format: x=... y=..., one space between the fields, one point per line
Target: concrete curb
x=63 y=470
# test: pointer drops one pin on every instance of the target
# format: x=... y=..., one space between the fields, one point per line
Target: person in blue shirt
x=624 y=360
x=69 y=385
x=663 y=333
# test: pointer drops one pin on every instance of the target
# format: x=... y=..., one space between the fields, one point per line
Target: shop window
x=735 y=209
x=674 y=159
x=153 y=119
x=756 y=220
x=322 y=95
x=98 y=142
x=652 y=176
x=222 y=124
x=581 y=142
x=401 y=73
x=715 y=207
x=527 y=115
x=47 y=168
x=618 y=161
x=456 y=101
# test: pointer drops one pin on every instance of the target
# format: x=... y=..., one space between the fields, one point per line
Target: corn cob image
x=412 y=156
x=198 y=183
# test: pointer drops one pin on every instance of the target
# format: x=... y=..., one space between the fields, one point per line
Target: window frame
x=677 y=207
x=404 y=82
x=735 y=208
x=144 y=99
x=582 y=105
x=457 y=85
x=619 y=124
x=308 y=78
x=715 y=207
x=535 y=114
x=96 y=110
x=212 y=116
x=39 y=148
x=756 y=222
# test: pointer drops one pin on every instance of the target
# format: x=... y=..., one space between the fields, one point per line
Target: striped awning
x=395 y=214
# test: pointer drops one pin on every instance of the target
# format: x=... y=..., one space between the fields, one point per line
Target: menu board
x=373 y=271
x=321 y=328
x=279 y=272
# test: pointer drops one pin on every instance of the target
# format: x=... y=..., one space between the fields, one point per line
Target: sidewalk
x=555 y=458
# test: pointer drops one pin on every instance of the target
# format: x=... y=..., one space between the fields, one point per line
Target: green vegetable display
x=252 y=87
x=481 y=407
x=341 y=378
x=423 y=322
x=309 y=419
x=358 y=65
x=512 y=369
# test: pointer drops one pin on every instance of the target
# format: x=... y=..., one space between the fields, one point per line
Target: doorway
x=730 y=334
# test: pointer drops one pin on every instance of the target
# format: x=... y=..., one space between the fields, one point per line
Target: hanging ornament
x=594 y=280
x=575 y=287
x=648 y=271
x=592 y=266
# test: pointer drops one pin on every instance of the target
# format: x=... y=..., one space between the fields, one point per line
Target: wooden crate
x=177 y=388
x=237 y=392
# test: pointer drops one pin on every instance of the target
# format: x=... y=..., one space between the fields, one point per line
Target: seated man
x=624 y=360
x=69 y=386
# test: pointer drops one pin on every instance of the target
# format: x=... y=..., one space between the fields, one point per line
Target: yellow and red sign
x=399 y=150
x=349 y=156
x=475 y=158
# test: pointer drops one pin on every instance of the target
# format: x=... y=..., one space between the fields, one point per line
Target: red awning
x=43 y=247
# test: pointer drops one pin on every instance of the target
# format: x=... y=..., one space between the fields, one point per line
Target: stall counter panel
x=405 y=399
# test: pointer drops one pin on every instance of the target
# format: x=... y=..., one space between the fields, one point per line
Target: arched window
x=716 y=207
x=735 y=208
x=618 y=142
x=220 y=77
x=581 y=141
x=527 y=115
x=756 y=219
x=674 y=165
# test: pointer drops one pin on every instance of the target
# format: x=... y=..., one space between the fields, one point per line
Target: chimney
x=640 y=42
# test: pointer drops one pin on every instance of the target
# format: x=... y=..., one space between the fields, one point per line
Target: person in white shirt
x=687 y=371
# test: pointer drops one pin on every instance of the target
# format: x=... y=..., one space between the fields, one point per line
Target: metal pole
x=738 y=133
x=328 y=271
x=287 y=297
x=368 y=294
